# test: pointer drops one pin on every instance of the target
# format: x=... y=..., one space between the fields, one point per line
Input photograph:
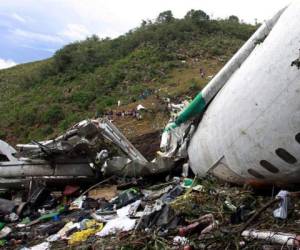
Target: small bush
x=215 y=51
x=53 y=115
x=2 y=134
x=83 y=99
x=100 y=109
x=47 y=130
x=109 y=101
x=69 y=121
x=28 y=117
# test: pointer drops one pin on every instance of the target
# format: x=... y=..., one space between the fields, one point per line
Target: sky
x=32 y=30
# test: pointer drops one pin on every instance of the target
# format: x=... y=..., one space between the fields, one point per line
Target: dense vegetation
x=87 y=77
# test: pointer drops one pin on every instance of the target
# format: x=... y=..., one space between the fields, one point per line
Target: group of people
x=118 y=114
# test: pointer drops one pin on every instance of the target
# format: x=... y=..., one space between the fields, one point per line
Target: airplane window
x=269 y=166
x=297 y=137
x=3 y=158
x=255 y=173
x=286 y=156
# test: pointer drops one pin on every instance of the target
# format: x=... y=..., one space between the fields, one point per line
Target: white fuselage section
x=250 y=131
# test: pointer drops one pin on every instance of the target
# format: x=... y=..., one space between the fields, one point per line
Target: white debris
x=282 y=211
x=5 y=231
x=129 y=210
x=118 y=224
x=178 y=240
x=140 y=107
x=42 y=246
x=286 y=239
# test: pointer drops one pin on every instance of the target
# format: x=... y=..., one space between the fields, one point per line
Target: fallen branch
x=257 y=214
x=96 y=185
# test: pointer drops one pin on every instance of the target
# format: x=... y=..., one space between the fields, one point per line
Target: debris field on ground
x=130 y=213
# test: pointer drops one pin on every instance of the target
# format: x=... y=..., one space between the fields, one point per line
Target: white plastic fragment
x=179 y=240
x=77 y=204
x=165 y=141
x=288 y=239
x=119 y=224
x=53 y=237
x=70 y=225
x=42 y=246
x=5 y=231
x=199 y=188
x=185 y=170
x=140 y=107
x=12 y=217
x=282 y=211
x=129 y=210
x=103 y=218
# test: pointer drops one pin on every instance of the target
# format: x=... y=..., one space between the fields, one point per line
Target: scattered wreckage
x=80 y=154
x=182 y=213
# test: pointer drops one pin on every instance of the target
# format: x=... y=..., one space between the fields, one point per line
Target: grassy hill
x=85 y=78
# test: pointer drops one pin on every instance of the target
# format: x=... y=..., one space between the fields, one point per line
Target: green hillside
x=85 y=78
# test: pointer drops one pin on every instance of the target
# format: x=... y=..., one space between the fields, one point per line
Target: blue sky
x=32 y=30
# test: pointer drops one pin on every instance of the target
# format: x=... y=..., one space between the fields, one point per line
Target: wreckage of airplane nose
x=250 y=132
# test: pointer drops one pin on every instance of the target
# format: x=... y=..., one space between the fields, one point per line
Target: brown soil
x=147 y=144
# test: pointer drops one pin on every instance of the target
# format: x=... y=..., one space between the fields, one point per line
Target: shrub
x=70 y=120
x=53 y=115
x=109 y=101
x=28 y=117
x=2 y=135
x=47 y=130
x=83 y=98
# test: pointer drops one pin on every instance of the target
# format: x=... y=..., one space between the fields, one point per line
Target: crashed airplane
x=250 y=126
x=244 y=126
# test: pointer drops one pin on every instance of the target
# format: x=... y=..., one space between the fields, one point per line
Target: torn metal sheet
x=174 y=142
x=7 y=152
x=111 y=132
x=122 y=166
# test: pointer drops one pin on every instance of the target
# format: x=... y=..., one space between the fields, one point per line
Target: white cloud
x=18 y=18
x=51 y=50
x=120 y=15
x=115 y=17
x=35 y=36
x=6 y=63
x=75 y=32
x=53 y=23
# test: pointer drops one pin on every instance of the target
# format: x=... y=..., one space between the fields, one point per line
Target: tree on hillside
x=233 y=18
x=144 y=23
x=165 y=17
x=196 y=15
x=93 y=38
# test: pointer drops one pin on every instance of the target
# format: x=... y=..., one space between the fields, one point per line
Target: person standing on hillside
x=202 y=73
